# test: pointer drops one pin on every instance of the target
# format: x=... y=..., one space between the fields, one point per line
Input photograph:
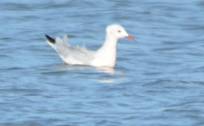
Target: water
x=158 y=80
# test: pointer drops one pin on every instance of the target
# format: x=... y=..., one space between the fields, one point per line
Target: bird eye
x=119 y=31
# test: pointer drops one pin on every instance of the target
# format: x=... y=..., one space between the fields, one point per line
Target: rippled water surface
x=158 y=81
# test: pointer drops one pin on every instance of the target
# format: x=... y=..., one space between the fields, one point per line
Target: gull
x=105 y=56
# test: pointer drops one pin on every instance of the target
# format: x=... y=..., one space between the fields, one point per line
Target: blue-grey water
x=158 y=80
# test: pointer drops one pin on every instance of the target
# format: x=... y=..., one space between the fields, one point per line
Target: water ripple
x=158 y=79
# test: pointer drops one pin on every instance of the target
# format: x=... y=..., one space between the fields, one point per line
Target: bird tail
x=59 y=45
x=50 y=39
x=56 y=41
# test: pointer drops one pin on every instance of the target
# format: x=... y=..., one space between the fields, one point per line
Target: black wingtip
x=50 y=39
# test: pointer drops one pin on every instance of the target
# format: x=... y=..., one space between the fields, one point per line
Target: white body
x=103 y=57
x=106 y=55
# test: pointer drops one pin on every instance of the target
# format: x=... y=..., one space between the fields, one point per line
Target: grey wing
x=79 y=54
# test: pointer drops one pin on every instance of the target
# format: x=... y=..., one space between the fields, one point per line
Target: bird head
x=118 y=32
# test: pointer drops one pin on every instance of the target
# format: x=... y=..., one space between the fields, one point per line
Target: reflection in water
x=81 y=68
x=108 y=70
x=107 y=80
x=64 y=68
x=99 y=74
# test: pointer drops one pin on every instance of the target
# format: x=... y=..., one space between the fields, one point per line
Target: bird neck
x=106 y=55
x=110 y=42
x=108 y=52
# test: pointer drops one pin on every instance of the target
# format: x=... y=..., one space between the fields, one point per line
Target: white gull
x=105 y=56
